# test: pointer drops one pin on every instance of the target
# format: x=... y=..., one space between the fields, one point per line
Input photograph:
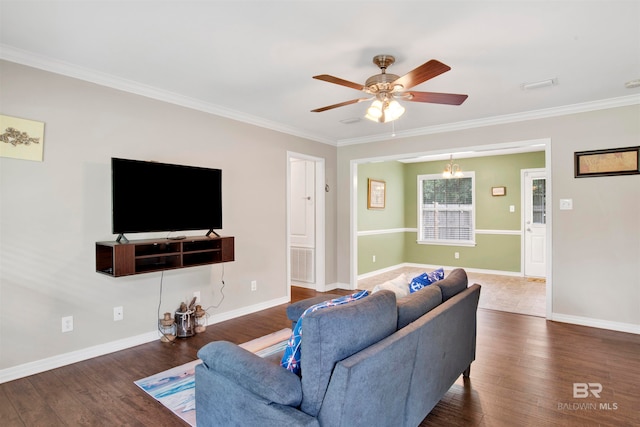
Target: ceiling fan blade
x=426 y=71
x=342 y=104
x=435 y=97
x=339 y=81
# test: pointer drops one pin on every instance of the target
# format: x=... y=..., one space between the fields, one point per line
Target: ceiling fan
x=388 y=88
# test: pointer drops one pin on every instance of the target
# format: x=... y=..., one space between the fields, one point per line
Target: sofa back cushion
x=291 y=357
x=335 y=333
x=453 y=284
x=411 y=307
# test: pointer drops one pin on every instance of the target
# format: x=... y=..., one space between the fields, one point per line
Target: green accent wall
x=388 y=249
x=393 y=215
x=492 y=251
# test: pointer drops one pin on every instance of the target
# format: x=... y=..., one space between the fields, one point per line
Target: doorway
x=534 y=225
x=476 y=151
x=305 y=221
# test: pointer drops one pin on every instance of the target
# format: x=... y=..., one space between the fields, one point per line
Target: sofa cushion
x=335 y=333
x=455 y=282
x=425 y=279
x=291 y=356
x=411 y=307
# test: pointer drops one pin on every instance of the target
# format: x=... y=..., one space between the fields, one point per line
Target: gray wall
x=53 y=212
x=596 y=246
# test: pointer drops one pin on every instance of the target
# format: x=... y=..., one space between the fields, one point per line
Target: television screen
x=150 y=196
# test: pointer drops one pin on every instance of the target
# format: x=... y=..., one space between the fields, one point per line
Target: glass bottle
x=167 y=327
x=201 y=319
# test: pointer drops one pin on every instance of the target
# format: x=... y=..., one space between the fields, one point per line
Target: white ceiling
x=254 y=61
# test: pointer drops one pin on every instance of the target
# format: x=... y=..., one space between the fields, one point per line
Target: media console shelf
x=144 y=256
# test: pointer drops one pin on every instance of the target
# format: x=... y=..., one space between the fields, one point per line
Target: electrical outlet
x=456 y=255
x=196 y=295
x=254 y=285
x=67 y=324
x=118 y=313
x=374 y=259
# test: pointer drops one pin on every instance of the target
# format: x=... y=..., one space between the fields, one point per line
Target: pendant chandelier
x=452 y=170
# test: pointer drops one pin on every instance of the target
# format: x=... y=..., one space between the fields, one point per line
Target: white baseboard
x=596 y=323
x=35 y=367
x=433 y=267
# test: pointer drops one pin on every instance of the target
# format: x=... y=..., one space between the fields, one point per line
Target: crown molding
x=45 y=63
x=499 y=120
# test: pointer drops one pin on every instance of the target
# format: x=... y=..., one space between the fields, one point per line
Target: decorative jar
x=167 y=328
x=201 y=319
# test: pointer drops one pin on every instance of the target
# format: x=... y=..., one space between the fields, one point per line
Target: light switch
x=566 y=204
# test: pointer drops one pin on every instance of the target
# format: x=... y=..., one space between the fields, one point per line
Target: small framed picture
x=21 y=138
x=498 y=191
x=615 y=161
x=377 y=194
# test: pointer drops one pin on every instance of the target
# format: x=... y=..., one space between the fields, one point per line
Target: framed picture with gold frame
x=376 y=196
x=614 y=161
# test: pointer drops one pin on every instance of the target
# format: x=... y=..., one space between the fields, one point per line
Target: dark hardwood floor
x=523 y=375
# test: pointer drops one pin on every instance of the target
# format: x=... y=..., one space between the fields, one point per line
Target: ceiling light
x=540 y=84
x=631 y=84
x=384 y=111
x=452 y=170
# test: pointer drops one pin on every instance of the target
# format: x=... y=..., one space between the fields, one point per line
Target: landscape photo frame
x=608 y=162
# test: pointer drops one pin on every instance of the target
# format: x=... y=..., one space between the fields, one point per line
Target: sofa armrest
x=253 y=373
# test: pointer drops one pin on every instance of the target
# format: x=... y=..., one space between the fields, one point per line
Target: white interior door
x=302 y=235
x=535 y=223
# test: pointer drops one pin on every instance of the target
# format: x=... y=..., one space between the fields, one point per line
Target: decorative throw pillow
x=399 y=285
x=291 y=356
x=425 y=279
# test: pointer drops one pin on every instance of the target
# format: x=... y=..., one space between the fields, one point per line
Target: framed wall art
x=376 y=196
x=614 y=161
x=498 y=191
x=21 y=138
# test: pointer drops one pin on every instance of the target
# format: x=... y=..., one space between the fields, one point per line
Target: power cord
x=221 y=293
x=167 y=339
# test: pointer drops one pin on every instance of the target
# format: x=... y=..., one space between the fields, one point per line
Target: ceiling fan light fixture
x=384 y=112
x=374 y=112
x=393 y=111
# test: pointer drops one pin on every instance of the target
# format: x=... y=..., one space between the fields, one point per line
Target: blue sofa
x=372 y=362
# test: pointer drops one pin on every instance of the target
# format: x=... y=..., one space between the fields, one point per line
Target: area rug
x=175 y=388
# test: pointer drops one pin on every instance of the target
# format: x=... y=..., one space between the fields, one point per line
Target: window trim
x=447 y=242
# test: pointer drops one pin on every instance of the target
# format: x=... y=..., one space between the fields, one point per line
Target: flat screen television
x=150 y=196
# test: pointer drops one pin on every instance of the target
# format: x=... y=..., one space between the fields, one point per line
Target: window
x=446 y=209
x=539 y=196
